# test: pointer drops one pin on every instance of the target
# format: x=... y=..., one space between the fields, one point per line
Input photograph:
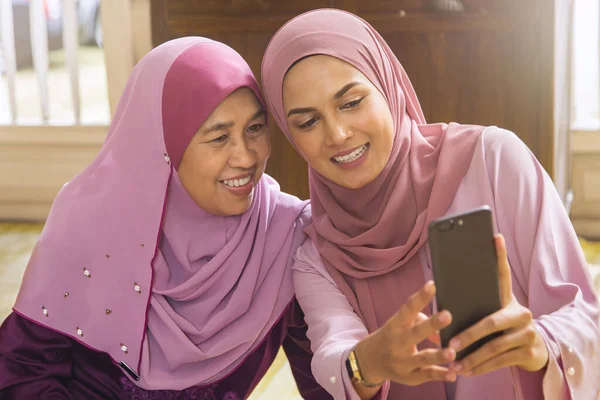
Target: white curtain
x=586 y=65
x=580 y=111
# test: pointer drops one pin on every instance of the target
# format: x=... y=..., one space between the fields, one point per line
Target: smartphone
x=465 y=270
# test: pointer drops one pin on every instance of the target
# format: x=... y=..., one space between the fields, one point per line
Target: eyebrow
x=336 y=96
x=219 y=126
x=343 y=90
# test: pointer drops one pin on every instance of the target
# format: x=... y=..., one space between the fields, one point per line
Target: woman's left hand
x=521 y=344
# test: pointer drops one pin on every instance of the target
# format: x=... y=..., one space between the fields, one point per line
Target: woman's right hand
x=391 y=353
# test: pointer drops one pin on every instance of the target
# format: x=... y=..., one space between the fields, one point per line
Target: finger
x=421 y=318
x=430 y=357
x=492 y=349
x=425 y=329
x=435 y=338
x=510 y=358
x=432 y=373
x=504 y=273
x=504 y=319
x=407 y=314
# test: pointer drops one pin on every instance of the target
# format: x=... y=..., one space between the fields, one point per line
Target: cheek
x=264 y=148
x=200 y=169
x=309 y=144
x=380 y=125
x=261 y=148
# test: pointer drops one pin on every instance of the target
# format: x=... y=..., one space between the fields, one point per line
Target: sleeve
x=297 y=350
x=549 y=266
x=333 y=326
x=34 y=361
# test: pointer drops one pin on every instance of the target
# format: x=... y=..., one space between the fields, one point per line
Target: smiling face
x=226 y=158
x=339 y=121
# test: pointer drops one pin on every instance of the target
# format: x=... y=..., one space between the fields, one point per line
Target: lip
x=356 y=163
x=346 y=152
x=241 y=191
x=242 y=176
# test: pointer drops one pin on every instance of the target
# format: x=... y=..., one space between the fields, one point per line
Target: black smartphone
x=465 y=270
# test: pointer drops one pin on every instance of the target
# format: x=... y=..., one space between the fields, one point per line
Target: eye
x=220 y=139
x=352 y=104
x=256 y=128
x=309 y=124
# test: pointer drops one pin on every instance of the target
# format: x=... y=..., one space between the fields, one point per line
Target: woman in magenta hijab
x=164 y=269
x=378 y=175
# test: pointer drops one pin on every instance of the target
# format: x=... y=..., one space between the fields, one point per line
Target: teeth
x=237 y=182
x=355 y=155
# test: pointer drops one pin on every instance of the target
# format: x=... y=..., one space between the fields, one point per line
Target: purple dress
x=38 y=363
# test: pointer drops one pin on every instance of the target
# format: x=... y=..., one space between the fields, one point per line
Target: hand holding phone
x=521 y=345
x=465 y=270
x=504 y=338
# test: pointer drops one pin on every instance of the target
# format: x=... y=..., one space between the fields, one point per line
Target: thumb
x=504 y=272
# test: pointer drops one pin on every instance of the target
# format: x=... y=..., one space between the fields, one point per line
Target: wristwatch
x=355 y=373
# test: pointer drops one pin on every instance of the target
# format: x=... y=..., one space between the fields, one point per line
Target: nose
x=337 y=134
x=242 y=156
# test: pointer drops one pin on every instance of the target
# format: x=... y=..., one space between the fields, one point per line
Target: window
x=586 y=65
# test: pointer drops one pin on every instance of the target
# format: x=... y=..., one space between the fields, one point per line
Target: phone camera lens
x=447 y=225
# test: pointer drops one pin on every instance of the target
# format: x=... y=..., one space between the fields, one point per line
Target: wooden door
x=491 y=63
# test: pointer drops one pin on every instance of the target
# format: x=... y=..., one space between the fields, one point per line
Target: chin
x=239 y=208
x=355 y=184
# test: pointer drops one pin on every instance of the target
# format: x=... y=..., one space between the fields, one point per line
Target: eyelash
x=352 y=104
x=348 y=106
x=308 y=124
x=220 y=139
x=259 y=126
x=223 y=138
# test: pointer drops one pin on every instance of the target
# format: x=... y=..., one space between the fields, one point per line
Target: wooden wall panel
x=492 y=64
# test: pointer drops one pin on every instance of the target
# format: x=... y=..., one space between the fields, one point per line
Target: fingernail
x=455 y=344
x=448 y=354
x=429 y=287
x=443 y=317
x=456 y=367
x=450 y=377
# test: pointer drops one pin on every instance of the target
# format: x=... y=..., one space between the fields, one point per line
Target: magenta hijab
x=128 y=264
x=369 y=238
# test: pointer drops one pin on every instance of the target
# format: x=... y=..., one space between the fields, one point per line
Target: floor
x=16 y=244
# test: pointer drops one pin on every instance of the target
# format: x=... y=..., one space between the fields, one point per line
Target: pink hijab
x=369 y=238
x=128 y=264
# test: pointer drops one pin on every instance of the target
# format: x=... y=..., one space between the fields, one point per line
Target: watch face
x=353 y=373
x=349 y=369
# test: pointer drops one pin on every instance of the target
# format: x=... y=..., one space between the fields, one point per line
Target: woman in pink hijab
x=164 y=268
x=378 y=175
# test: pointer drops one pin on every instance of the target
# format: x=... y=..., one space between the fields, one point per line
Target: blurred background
x=91 y=63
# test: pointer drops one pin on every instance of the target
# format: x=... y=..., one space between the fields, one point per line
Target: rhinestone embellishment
x=87 y=272
x=66 y=294
x=124 y=348
x=45 y=311
x=79 y=332
x=137 y=288
x=167 y=158
x=108 y=312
